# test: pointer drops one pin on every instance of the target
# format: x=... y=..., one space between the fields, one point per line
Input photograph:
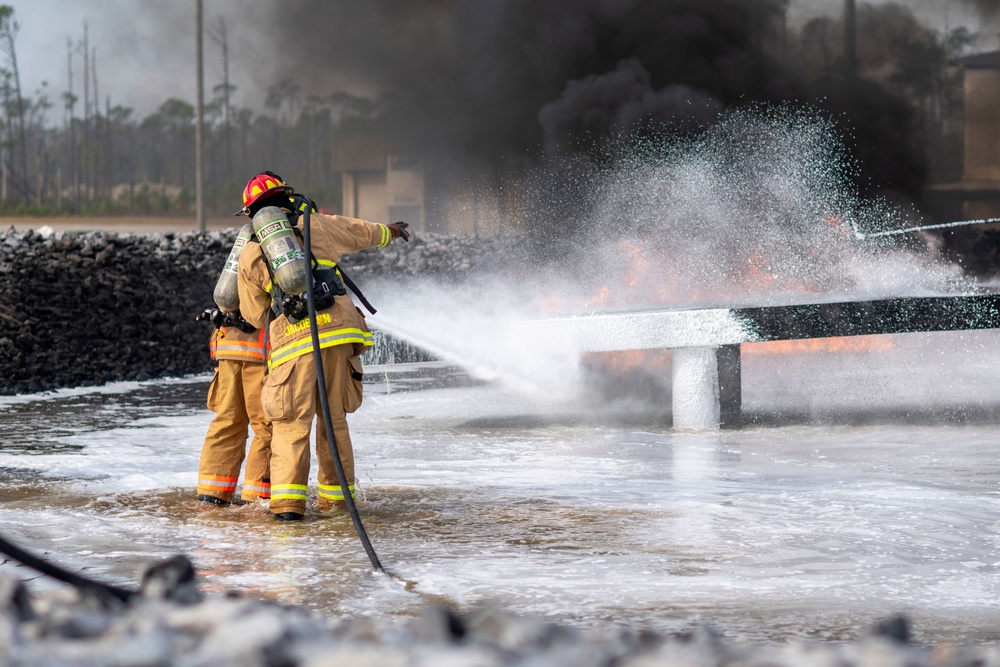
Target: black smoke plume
x=475 y=74
x=988 y=9
x=506 y=83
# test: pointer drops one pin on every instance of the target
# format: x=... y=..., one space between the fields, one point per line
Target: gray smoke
x=989 y=9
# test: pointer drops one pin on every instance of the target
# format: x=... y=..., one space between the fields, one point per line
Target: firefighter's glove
x=214 y=316
x=399 y=230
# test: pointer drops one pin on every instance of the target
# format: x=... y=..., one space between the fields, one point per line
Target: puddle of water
x=474 y=495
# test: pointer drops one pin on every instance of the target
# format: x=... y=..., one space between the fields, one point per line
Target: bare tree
x=8 y=33
x=218 y=34
x=70 y=100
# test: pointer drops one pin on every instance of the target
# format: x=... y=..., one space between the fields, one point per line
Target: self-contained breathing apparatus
x=286 y=262
x=226 y=294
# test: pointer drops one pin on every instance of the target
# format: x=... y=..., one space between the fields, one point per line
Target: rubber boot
x=212 y=500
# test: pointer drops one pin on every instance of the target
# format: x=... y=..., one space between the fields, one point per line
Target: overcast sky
x=145 y=48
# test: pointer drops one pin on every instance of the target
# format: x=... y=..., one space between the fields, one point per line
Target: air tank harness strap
x=357 y=292
x=340 y=272
x=326 y=286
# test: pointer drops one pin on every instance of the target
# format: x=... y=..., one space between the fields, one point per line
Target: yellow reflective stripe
x=269 y=287
x=288 y=496
x=386 y=236
x=334 y=492
x=326 y=339
x=328 y=263
x=288 y=491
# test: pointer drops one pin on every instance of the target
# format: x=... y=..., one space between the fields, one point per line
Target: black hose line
x=56 y=572
x=324 y=402
x=123 y=594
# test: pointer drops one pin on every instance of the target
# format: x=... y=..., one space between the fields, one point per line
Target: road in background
x=134 y=224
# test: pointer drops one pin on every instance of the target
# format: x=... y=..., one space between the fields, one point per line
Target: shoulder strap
x=354 y=288
x=347 y=280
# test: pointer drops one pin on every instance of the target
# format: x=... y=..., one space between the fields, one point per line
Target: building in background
x=382 y=184
x=977 y=195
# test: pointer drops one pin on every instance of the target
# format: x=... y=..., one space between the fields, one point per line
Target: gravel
x=82 y=309
x=171 y=623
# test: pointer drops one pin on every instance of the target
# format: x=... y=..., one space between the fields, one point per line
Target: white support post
x=696 y=404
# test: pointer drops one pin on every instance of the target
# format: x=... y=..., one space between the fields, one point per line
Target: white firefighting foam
x=477 y=495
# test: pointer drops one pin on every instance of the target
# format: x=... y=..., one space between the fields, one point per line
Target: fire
x=622 y=363
x=840 y=344
x=630 y=361
x=643 y=279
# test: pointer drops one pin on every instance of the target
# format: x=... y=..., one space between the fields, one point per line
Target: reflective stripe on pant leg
x=333 y=492
x=288 y=492
x=220 y=487
x=257 y=474
x=253 y=489
x=290 y=440
x=337 y=369
x=225 y=442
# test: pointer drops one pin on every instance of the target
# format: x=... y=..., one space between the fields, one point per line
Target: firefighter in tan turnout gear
x=234 y=397
x=289 y=396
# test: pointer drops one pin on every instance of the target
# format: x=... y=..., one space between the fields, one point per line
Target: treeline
x=109 y=162
x=903 y=97
x=100 y=159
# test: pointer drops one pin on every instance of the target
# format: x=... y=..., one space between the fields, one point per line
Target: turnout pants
x=291 y=400
x=234 y=396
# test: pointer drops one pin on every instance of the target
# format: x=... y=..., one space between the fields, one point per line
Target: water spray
x=324 y=402
x=909 y=230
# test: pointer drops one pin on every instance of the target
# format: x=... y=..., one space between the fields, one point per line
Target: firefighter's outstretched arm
x=354 y=234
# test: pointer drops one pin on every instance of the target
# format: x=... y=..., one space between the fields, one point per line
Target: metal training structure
x=705 y=343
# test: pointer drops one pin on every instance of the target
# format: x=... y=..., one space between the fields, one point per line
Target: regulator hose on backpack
x=324 y=402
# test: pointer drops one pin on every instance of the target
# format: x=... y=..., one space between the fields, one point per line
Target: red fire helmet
x=263 y=184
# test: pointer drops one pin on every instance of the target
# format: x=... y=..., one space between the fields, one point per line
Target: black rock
x=173 y=579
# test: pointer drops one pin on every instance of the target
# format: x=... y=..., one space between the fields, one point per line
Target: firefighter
x=289 y=396
x=234 y=397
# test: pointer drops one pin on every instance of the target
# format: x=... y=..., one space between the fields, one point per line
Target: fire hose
x=79 y=581
x=910 y=230
x=324 y=402
x=85 y=583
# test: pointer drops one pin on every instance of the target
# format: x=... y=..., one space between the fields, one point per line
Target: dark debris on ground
x=81 y=309
x=170 y=622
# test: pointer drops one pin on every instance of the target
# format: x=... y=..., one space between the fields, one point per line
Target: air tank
x=226 y=295
x=282 y=250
